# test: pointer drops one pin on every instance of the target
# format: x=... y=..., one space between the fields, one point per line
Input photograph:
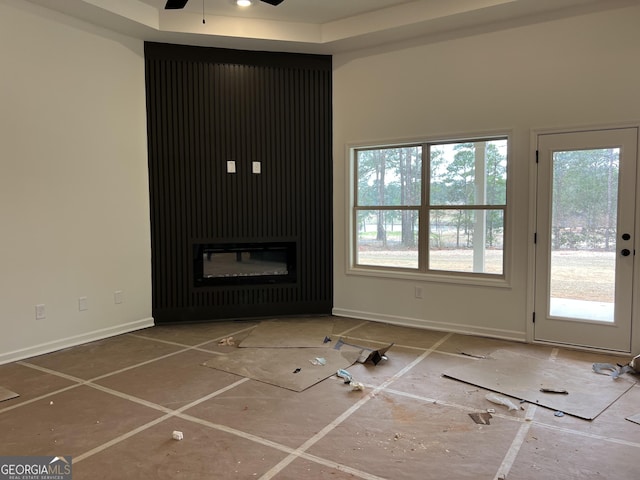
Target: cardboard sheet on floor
x=6 y=394
x=289 y=334
x=279 y=366
x=634 y=418
x=369 y=351
x=521 y=377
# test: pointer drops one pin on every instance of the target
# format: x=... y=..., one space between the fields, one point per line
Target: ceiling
x=316 y=26
x=305 y=11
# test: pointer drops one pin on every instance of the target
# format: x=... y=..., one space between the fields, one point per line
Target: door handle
x=625 y=252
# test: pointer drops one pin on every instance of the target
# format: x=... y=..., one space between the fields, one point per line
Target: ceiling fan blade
x=175 y=4
x=179 y=4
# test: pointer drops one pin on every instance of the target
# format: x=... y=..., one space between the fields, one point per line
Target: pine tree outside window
x=432 y=207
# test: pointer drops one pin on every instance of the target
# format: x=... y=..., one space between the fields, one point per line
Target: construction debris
x=344 y=375
x=482 y=418
x=367 y=354
x=499 y=400
x=612 y=370
x=471 y=355
x=554 y=390
x=6 y=394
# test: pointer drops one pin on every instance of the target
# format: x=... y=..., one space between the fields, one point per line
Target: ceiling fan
x=179 y=4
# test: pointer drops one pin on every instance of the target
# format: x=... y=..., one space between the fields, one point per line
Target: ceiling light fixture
x=243 y=3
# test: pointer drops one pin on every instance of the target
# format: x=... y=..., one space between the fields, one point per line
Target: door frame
x=531 y=248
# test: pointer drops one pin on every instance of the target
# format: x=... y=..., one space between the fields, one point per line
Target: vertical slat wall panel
x=206 y=106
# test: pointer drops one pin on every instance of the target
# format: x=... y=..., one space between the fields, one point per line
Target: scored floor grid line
x=278 y=446
x=300 y=452
x=514 y=449
x=81 y=381
x=527 y=418
x=169 y=413
x=185 y=348
x=231 y=334
x=355 y=327
x=350 y=411
x=38 y=398
x=178 y=412
x=150 y=424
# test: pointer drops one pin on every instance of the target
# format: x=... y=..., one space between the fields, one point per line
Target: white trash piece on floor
x=497 y=399
x=635 y=363
x=344 y=375
x=177 y=435
x=319 y=361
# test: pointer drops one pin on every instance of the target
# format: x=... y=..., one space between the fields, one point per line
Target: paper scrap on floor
x=522 y=376
x=6 y=394
x=290 y=368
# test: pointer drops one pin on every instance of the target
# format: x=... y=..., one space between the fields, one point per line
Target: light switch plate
x=256 y=167
x=231 y=166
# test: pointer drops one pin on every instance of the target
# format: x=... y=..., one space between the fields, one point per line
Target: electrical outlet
x=118 y=297
x=82 y=304
x=418 y=292
x=41 y=314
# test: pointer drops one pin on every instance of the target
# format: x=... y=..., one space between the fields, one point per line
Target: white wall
x=74 y=208
x=570 y=72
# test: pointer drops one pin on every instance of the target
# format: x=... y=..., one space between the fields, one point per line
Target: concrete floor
x=113 y=405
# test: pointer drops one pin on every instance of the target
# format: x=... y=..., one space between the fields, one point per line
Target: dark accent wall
x=206 y=106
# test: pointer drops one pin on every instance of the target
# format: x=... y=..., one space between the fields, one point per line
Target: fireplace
x=252 y=263
x=201 y=216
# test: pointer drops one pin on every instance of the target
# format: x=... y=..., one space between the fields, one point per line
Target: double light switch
x=256 y=167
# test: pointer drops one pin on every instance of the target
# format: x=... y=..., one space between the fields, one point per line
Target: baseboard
x=74 y=340
x=512 y=335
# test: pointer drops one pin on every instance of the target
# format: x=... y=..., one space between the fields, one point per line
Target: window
x=435 y=207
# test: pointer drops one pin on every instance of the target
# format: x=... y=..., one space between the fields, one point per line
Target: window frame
x=422 y=272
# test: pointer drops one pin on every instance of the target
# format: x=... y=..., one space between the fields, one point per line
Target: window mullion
x=423 y=215
x=462 y=233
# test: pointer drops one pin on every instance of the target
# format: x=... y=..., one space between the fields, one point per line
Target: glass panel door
x=585 y=244
x=584 y=201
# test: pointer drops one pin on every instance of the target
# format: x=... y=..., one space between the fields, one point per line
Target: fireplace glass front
x=244 y=263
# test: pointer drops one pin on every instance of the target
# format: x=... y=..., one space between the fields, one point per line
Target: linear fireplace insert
x=240 y=263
